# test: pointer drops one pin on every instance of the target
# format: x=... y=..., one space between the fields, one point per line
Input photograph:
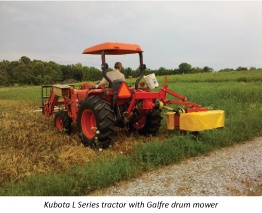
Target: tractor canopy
x=113 y=48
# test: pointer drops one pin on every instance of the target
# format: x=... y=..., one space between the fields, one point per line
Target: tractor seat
x=116 y=84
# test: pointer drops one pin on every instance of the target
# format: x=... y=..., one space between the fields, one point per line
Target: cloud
x=214 y=34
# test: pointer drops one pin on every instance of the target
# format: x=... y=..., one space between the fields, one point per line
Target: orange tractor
x=98 y=111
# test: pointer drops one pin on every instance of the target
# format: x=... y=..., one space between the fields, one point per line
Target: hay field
x=31 y=145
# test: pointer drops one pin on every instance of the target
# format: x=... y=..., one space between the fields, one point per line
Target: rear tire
x=153 y=123
x=63 y=122
x=95 y=122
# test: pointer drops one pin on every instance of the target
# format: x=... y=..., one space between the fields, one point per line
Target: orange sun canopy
x=113 y=48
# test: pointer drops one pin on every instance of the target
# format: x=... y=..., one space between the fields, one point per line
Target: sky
x=217 y=34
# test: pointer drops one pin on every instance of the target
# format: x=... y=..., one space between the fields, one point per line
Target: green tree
x=25 y=60
x=207 y=69
x=77 y=72
x=176 y=71
x=184 y=68
x=56 y=72
x=226 y=70
x=4 y=66
x=91 y=74
x=38 y=68
x=22 y=74
x=241 y=68
x=47 y=80
x=161 y=71
x=127 y=71
x=196 y=70
x=66 y=72
x=96 y=74
x=3 y=78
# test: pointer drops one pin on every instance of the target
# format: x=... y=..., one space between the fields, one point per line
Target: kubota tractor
x=97 y=111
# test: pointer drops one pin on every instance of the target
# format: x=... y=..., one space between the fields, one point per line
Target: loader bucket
x=199 y=121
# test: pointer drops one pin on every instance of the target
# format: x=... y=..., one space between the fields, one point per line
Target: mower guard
x=195 y=121
x=199 y=121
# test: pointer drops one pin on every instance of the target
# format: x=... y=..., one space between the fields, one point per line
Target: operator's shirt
x=113 y=75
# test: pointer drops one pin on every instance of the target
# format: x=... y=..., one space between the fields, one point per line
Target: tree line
x=36 y=72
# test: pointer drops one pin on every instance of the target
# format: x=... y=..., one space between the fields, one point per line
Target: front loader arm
x=49 y=106
x=53 y=99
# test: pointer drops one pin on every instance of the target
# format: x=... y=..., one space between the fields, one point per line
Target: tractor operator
x=113 y=75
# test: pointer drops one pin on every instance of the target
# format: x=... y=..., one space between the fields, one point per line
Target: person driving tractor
x=112 y=75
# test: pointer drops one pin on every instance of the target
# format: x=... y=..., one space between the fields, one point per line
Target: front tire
x=63 y=122
x=95 y=122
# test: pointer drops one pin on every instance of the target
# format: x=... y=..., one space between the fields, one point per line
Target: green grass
x=77 y=180
x=238 y=76
x=28 y=93
x=240 y=99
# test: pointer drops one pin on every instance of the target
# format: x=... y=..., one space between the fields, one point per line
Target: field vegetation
x=36 y=72
x=35 y=160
